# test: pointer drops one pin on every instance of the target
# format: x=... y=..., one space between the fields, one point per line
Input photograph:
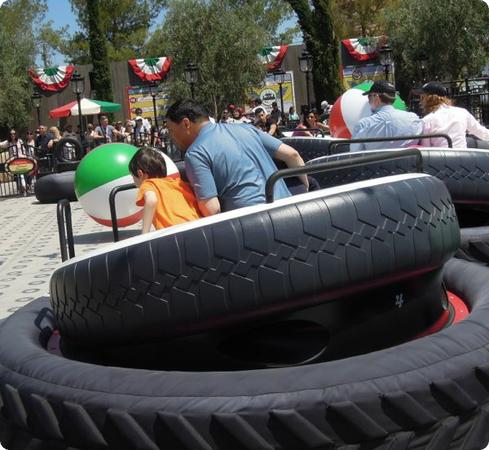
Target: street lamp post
x=78 y=87
x=36 y=102
x=305 y=65
x=423 y=62
x=154 y=90
x=191 y=77
x=385 y=58
x=279 y=77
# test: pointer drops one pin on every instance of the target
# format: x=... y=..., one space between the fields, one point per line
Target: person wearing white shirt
x=146 y=124
x=442 y=117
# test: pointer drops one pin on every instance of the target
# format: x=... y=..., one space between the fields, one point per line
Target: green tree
x=125 y=26
x=223 y=37
x=359 y=18
x=98 y=52
x=453 y=34
x=315 y=20
x=18 y=19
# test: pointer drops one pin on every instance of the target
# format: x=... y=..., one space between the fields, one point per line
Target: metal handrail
x=113 y=212
x=335 y=144
x=342 y=164
x=65 y=229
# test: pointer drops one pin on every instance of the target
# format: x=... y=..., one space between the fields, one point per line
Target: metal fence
x=10 y=184
x=59 y=160
x=471 y=94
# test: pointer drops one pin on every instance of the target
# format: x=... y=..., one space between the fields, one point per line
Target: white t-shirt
x=454 y=122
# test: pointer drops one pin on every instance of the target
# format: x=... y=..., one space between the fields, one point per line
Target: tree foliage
x=453 y=34
x=223 y=37
x=125 y=25
x=315 y=20
x=98 y=51
x=17 y=54
x=359 y=18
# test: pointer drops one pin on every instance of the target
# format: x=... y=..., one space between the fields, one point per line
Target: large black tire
x=56 y=186
x=257 y=261
x=473 y=142
x=431 y=393
x=309 y=147
x=474 y=244
x=465 y=172
x=69 y=150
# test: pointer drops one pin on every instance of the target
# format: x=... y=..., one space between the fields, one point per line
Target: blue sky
x=59 y=11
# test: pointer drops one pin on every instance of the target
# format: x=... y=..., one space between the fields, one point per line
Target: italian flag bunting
x=273 y=56
x=151 y=69
x=362 y=49
x=53 y=79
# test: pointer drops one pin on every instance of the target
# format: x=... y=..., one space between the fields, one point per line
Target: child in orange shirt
x=166 y=200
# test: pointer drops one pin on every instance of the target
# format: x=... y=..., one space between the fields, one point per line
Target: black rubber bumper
x=432 y=393
x=232 y=269
x=56 y=186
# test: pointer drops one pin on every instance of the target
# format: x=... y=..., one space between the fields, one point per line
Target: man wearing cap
x=324 y=117
x=443 y=117
x=385 y=121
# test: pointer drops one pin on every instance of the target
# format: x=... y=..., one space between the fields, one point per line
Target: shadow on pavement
x=104 y=237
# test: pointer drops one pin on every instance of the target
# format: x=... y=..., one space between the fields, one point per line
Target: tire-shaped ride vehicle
x=68 y=154
x=430 y=393
x=54 y=187
x=465 y=172
x=249 y=263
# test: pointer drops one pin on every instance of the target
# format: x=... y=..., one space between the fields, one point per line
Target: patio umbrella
x=88 y=107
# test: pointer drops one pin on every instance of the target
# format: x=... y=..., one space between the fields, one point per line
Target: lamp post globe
x=385 y=59
x=305 y=65
x=77 y=85
x=279 y=77
x=191 y=76
x=36 y=102
x=154 y=89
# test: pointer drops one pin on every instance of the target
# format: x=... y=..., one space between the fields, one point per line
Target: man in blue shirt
x=386 y=121
x=227 y=164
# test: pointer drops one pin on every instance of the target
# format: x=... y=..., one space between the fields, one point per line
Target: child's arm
x=150 y=201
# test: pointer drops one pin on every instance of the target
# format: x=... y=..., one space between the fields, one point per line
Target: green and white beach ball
x=102 y=170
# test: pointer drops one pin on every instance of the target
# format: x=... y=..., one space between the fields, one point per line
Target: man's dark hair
x=190 y=109
x=138 y=111
x=150 y=161
x=259 y=111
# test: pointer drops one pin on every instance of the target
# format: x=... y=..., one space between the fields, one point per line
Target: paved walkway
x=29 y=247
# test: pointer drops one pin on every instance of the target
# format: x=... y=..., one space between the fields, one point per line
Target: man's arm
x=202 y=182
x=361 y=130
x=291 y=157
x=273 y=129
x=209 y=206
x=150 y=201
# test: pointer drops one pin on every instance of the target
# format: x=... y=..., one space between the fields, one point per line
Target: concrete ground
x=30 y=250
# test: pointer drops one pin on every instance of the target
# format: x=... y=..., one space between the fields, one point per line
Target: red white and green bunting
x=151 y=69
x=53 y=79
x=362 y=49
x=273 y=56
